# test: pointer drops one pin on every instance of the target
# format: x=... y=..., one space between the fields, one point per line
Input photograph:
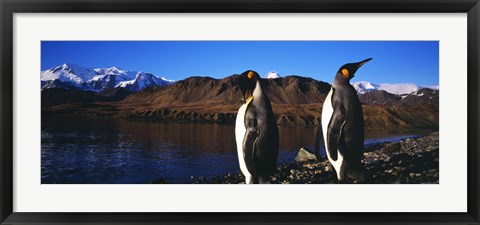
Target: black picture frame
x=9 y=7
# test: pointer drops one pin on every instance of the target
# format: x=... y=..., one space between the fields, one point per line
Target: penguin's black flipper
x=249 y=143
x=335 y=130
x=318 y=140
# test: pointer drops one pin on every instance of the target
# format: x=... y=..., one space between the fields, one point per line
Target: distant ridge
x=296 y=101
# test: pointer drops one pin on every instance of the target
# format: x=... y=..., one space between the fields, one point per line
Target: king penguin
x=256 y=131
x=342 y=125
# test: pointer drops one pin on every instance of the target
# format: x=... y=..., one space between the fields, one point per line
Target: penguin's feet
x=344 y=181
x=264 y=179
x=358 y=176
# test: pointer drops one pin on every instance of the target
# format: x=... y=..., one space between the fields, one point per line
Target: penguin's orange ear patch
x=345 y=73
x=250 y=75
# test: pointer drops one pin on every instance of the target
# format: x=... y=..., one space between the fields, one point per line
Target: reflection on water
x=108 y=150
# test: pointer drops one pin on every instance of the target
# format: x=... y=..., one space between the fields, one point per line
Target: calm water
x=109 y=151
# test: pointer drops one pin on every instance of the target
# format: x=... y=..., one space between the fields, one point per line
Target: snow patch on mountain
x=272 y=75
x=363 y=87
x=167 y=80
x=143 y=80
x=399 y=89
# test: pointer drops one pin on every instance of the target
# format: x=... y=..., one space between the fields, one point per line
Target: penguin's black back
x=350 y=143
x=259 y=115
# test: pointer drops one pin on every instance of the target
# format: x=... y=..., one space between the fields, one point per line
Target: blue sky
x=393 y=61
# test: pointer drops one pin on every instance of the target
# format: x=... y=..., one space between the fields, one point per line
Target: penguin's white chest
x=327 y=111
x=327 y=114
x=240 y=131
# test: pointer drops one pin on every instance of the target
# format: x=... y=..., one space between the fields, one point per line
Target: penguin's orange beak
x=363 y=62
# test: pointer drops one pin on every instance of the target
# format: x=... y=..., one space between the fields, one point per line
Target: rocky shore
x=409 y=161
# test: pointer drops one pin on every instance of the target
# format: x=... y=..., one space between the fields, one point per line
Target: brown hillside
x=296 y=101
x=286 y=90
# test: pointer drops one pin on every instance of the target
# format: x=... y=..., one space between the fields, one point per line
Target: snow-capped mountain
x=363 y=87
x=272 y=75
x=68 y=73
x=69 y=76
x=143 y=80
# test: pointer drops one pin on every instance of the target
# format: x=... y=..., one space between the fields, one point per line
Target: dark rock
x=394 y=147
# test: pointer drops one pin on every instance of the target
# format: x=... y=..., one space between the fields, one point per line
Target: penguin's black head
x=348 y=70
x=247 y=82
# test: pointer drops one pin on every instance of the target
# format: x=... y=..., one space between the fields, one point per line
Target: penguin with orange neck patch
x=342 y=125
x=256 y=131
